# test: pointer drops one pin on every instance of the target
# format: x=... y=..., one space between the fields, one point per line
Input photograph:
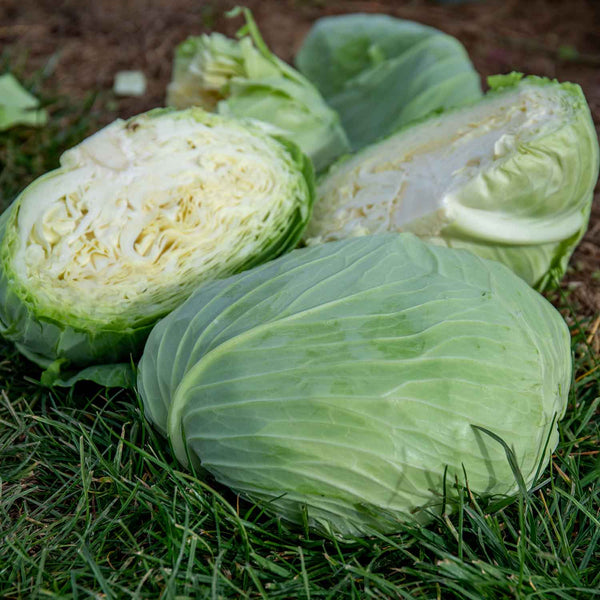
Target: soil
x=82 y=44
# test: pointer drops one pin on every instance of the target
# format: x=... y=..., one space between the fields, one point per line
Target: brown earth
x=82 y=44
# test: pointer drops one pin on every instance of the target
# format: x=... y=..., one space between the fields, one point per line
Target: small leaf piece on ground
x=130 y=83
x=18 y=106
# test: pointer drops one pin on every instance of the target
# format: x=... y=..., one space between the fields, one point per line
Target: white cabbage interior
x=141 y=213
x=407 y=182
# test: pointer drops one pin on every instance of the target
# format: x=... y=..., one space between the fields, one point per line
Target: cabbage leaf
x=18 y=106
x=380 y=73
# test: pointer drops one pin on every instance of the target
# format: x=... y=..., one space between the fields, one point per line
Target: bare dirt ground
x=82 y=44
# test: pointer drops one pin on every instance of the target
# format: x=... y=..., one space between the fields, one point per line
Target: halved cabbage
x=341 y=383
x=380 y=73
x=244 y=79
x=95 y=252
x=510 y=178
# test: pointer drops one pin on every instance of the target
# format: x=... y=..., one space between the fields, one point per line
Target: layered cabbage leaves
x=136 y=217
x=380 y=73
x=243 y=78
x=510 y=178
x=343 y=384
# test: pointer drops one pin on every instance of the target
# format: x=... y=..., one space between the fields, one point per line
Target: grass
x=92 y=504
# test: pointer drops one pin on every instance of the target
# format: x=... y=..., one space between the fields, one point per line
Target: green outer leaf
x=53 y=341
x=526 y=200
x=497 y=82
x=115 y=375
x=380 y=73
x=339 y=48
x=345 y=379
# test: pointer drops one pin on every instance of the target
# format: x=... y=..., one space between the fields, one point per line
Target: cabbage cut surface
x=510 y=178
x=142 y=212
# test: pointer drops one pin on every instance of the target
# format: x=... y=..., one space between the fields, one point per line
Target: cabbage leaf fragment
x=18 y=106
x=344 y=382
x=510 y=178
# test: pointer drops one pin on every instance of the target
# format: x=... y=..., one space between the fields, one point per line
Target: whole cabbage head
x=380 y=73
x=94 y=253
x=510 y=178
x=345 y=383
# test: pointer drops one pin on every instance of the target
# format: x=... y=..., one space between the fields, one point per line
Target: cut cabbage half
x=243 y=78
x=510 y=178
x=136 y=217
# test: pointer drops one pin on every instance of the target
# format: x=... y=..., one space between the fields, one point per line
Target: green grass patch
x=92 y=504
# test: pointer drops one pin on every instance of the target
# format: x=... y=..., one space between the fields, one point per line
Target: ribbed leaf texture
x=339 y=382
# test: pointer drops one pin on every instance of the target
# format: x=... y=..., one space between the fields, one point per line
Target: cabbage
x=244 y=79
x=93 y=253
x=380 y=73
x=510 y=178
x=343 y=383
